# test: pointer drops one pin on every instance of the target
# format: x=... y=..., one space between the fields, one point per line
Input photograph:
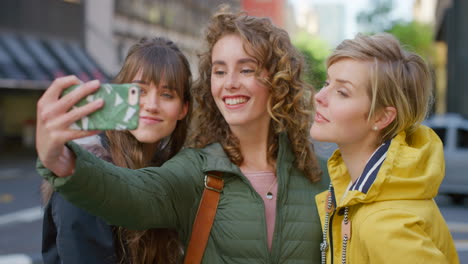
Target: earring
x=375 y=128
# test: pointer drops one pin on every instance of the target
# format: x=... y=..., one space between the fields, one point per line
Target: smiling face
x=160 y=109
x=342 y=105
x=240 y=97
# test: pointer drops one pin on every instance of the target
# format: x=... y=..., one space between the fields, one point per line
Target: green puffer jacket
x=168 y=196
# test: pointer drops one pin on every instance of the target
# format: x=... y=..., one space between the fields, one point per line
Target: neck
x=356 y=157
x=254 y=147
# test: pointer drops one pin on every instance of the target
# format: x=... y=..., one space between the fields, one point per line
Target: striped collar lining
x=368 y=176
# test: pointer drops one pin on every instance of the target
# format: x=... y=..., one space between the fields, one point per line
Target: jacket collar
x=368 y=176
x=217 y=160
x=410 y=167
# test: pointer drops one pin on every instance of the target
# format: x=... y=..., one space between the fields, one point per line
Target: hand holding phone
x=120 y=110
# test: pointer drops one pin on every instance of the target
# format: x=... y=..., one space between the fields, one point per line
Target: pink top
x=265 y=182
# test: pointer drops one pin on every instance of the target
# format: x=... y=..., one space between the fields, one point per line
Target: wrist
x=65 y=164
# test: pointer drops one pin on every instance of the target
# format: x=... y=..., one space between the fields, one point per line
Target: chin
x=148 y=139
x=319 y=136
x=313 y=134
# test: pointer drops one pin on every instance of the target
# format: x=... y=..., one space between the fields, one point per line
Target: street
x=21 y=212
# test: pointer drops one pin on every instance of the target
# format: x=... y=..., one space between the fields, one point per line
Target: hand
x=54 y=120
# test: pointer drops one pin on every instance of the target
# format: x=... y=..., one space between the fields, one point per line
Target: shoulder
x=212 y=152
x=322 y=162
x=187 y=154
x=325 y=177
x=388 y=222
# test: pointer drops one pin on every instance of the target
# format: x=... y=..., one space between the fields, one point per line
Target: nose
x=321 y=96
x=150 y=103
x=232 y=81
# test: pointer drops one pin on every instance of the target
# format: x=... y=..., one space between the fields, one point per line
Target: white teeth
x=235 y=101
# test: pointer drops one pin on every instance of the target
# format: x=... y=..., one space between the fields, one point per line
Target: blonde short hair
x=398 y=78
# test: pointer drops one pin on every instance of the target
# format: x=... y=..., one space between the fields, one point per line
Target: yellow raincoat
x=394 y=218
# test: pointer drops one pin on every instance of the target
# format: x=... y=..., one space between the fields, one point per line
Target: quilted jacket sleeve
x=153 y=197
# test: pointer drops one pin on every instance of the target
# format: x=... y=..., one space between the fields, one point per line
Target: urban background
x=41 y=40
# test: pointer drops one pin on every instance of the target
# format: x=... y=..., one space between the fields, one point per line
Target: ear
x=183 y=112
x=385 y=117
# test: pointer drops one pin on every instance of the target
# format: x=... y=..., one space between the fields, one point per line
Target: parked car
x=453 y=131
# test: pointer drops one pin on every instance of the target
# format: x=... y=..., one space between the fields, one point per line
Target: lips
x=235 y=100
x=320 y=118
x=150 y=119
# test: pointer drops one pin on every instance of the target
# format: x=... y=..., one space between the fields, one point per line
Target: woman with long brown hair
x=72 y=235
x=252 y=123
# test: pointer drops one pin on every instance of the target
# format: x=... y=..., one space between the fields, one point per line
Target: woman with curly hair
x=252 y=122
x=72 y=235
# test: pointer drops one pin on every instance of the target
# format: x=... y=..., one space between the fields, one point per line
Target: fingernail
x=94 y=82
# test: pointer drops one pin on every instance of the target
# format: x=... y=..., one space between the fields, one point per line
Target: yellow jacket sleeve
x=397 y=236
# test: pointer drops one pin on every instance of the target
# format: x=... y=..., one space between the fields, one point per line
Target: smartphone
x=120 y=111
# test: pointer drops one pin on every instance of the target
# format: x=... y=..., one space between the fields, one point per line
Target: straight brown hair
x=155 y=57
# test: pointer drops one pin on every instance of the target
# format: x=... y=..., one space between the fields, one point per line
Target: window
x=462 y=138
x=441 y=132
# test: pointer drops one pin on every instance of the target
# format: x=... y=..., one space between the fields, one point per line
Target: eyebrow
x=345 y=81
x=240 y=61
x=145 y=83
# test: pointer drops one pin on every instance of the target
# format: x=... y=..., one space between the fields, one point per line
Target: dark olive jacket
x=168 y=196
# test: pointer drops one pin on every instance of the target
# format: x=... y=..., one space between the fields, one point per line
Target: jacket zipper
x=330 y=235
x=276 y=230
x=246 y=181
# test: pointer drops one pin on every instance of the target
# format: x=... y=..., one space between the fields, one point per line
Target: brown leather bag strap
x=214 y=185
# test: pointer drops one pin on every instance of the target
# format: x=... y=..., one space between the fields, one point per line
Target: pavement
x=17 y=162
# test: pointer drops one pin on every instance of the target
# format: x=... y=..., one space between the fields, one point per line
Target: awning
x=29 y=62
x=58 y=49
x=86 y=62
x=43 y=57
x=8 y=67
x=15 y=48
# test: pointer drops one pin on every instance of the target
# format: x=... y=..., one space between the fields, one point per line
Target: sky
x=403 y=10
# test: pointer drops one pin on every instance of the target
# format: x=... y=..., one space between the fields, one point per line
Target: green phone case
x=120 y=110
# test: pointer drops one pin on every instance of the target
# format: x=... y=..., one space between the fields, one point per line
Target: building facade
x=274 y=9
x=43 y=40
x=451 y=29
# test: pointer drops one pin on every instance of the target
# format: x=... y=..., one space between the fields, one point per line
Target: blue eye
x=219 y=72
x=247 y=71
x=341 y=93
x=168 y=95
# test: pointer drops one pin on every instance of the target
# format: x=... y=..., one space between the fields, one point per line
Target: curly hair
x=289 y=104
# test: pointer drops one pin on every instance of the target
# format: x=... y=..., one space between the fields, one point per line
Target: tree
x=416 y=36
x=377 y=18
x=315 y=52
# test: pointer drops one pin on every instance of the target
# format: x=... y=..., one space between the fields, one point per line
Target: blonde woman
x=379 y=207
